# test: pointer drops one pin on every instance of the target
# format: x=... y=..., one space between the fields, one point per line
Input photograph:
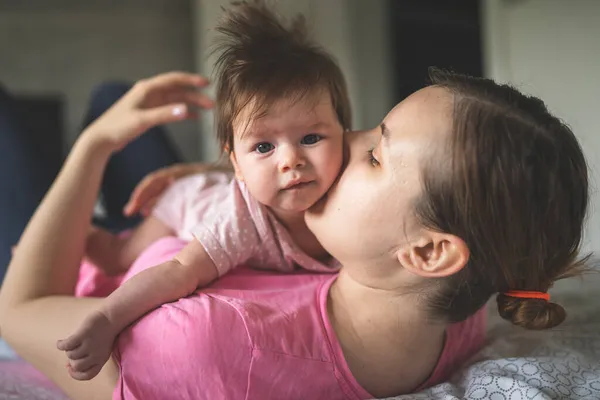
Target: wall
x=550 y=48
x=68 y=46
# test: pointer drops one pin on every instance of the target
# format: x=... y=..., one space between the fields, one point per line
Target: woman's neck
x=389 y=345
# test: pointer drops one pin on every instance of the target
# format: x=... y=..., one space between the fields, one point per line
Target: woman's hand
x=149 y=190
x=162 y=99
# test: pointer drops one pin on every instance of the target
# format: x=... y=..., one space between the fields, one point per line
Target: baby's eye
x=311 y=139
x=264 y=147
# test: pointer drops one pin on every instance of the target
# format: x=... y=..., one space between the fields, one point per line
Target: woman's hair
x=261 y=61
x=515 y=189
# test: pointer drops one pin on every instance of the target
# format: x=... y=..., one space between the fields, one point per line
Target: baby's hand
x=89 y=347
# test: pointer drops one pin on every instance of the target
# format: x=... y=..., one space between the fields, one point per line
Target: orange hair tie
x=523 y=294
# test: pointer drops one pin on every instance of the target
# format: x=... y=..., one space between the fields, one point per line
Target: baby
x=281 y=111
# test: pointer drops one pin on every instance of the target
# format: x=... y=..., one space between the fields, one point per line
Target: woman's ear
x=435 y=255
x=236 y=168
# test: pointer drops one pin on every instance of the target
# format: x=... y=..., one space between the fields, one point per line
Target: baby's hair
x=261 y=61
x=515 y=189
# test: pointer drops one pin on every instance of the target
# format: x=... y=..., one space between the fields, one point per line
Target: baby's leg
x=114 y=254
x=90 y=345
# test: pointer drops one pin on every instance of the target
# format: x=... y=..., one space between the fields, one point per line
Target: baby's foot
x=89 y=347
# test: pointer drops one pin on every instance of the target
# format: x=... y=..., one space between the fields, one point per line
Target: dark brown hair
x=516 y=191
x=260 y=60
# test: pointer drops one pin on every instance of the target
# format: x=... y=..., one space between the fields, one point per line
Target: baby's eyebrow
x=259 y=131
x=319 y=125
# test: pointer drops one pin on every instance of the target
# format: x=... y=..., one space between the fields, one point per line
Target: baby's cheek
x=334 y=166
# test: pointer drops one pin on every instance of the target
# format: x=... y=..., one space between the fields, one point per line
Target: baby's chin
x=296 y=208
x=299 y=205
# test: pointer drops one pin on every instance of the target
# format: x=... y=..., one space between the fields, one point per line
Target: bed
x=563 y=363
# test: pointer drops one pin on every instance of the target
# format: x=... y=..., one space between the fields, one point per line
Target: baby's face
x=289 y=157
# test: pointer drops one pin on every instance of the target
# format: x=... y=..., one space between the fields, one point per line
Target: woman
x=454 y=197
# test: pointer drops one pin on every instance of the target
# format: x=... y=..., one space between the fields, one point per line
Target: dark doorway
x=433 y=33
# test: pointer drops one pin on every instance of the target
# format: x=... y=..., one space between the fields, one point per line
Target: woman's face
x=367 y=216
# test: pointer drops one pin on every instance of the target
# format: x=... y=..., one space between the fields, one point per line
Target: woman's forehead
x=427 y=109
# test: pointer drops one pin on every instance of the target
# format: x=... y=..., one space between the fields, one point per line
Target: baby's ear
x=435 y=255
x=238 y=173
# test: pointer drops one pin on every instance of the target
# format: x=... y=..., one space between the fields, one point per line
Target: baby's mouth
x=297 y=185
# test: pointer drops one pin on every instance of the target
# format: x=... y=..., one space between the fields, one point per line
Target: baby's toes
x=82 y=364
x=68 y=344
x=77 y=354
x=84 y=375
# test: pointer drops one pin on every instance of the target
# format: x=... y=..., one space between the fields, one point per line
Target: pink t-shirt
x=250 y=335
x=233 y=227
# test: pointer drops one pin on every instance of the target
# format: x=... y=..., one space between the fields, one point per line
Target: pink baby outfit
x=232 y=226
x=251 y=335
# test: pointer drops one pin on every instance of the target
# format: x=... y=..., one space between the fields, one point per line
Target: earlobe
x=436 y=256
x=236 y=168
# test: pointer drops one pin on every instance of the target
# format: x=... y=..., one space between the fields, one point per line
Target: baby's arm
x=114 y=254
x=92 y=343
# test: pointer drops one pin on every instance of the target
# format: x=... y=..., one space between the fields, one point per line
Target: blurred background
x=54 y=52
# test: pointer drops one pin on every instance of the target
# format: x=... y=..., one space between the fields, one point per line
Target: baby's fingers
x=83 y=364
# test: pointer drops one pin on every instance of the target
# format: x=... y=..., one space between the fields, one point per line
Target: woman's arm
x=36 y=303
x=90 y=346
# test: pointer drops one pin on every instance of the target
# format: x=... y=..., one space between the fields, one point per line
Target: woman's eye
x=311 y=139
x=372 y=158
x=263 y=148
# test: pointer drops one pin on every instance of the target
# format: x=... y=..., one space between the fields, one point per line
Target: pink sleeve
x=196 y=348
x=228 y=233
